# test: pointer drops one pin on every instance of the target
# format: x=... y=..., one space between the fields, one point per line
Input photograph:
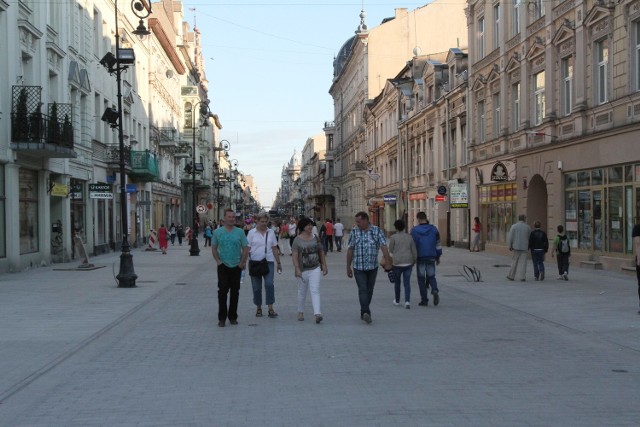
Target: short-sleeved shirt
x=338 y=229
x=365 y=245
x=230 y=245
x=292 y=229
x=308 y=253
x=329 y=229
x=257 y=245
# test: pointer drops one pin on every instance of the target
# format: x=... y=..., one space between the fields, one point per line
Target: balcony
x=167 y=137
x=144 y=166
x=33 y=132
x=112 y=157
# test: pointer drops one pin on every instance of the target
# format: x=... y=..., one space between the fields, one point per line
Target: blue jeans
x=366 y=280
x=537 y=256
x=426 y=270
x=405 y=272
x=256 y=283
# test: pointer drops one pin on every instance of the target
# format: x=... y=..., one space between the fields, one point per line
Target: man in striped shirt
x=362 y=259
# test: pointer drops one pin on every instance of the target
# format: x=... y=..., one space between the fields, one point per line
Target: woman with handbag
x=310 y=265
x=263 y=252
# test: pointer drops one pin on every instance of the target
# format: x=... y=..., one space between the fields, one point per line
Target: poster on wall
x=459 y=195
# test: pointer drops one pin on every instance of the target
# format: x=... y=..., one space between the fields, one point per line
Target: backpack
x=563 y=245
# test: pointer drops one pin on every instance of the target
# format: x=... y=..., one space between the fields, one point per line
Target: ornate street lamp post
x=225 y=146
x=115 y=65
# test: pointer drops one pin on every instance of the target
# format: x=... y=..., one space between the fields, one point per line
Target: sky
x=270 y=66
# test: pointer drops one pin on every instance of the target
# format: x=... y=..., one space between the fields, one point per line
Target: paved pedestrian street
x=75 y=350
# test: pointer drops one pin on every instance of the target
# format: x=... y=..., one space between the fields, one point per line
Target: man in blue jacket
x=427 y=239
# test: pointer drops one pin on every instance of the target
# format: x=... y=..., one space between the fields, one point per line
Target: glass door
x=597 y=220
x=584 y=219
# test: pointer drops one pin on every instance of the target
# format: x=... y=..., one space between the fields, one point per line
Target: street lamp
x=115 y=64
x=196 y=167
x=233 y=174
x=225 y=146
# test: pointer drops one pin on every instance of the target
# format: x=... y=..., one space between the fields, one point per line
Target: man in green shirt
x=230 y=249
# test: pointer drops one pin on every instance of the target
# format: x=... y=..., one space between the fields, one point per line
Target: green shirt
x=230 y=245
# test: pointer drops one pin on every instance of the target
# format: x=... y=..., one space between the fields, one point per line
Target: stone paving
x=77 y=351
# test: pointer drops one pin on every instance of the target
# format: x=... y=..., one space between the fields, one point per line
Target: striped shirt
x=365 y=245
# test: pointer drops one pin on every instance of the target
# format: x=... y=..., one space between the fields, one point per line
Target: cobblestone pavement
x=77 y=351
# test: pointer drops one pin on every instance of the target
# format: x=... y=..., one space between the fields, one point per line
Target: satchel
x=260 y=268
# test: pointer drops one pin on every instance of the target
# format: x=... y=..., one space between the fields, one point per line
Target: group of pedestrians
x=231 y=250
x=523 y=240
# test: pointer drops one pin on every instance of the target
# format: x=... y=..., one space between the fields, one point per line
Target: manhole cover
x=252 y=324
x=180 y=284
x=501 y=265
x=620 y=371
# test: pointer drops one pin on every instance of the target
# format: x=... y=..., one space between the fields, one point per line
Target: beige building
x=555 y=124
x=361 y=69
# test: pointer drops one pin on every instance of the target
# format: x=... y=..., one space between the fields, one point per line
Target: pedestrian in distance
x=208 y=234
x=230 y=250
x=329 y=235
x=264 y=245
x=635 y=234
x=403 y=252
x=180 y=233
x=477 y=231
x=539 y=246
x=519 y=244
x=365 y=240
x=561 y=249
x=163 y=238
x=323 y=236
x=338 y=233
x=292 y=231
x=172 y=233
x=429 y=249
x=310 y=265
x=285 y=246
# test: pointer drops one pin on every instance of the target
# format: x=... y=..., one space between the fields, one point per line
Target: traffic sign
x=201 y=209
x=442 y=190
x=441 y=198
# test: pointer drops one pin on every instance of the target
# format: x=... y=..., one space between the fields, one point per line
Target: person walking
x=264 y=245
x=362 y=260
x=310 y=265
x=180 y=233
x=427 y=239
x=561 y=249
x=285 y=247
x=323 y=236
x=163 y=238
x=635 y=234
x=292 y=232
x=477 y=230
x=338 y=233
x=519 y=244
x=208 y=234
x=403 y=252
x=538 y=245
x=230 y=250
x=172 y=233
x=329 y=234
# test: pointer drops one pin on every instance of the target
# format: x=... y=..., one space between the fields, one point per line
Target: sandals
x=272 y=313
x=259 y=312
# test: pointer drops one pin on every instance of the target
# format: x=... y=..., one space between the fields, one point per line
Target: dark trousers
x=329 y=242
x=228 y=283
x=366 y=280
x=563 y=263
x=339 y=243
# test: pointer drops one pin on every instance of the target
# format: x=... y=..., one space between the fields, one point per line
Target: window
x=496 y=26
x=566 y=68
x=481 y=38
x=430 y=155
x=496 y=115
x=515 y=25
x=636 y=61
x=463 y=148
x=28 y=211
x=539 y=99
x=515 y=107
x=453 y=148
x=481 y=134
x=539 y=9
x=602 y=60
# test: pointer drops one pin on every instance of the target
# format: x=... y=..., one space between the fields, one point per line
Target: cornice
x=166 y=44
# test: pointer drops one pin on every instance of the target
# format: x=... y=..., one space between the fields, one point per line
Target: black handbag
x=260 y=268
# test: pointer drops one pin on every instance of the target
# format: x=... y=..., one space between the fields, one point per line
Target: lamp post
x=233 y=173
x=196 y=167
x=123 y=58
x=225 y=146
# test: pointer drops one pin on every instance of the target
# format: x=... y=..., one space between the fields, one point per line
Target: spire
x=362 y=28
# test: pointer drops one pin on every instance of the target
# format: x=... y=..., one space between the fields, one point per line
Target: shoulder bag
x=260 y=268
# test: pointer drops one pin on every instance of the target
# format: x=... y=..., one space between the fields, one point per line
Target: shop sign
x=59 y=190
x=441 y=198
x=100 y=191
x=417 y=196
x=390 y=199
x=459 y=195
x=499 y=172
x=76 y=191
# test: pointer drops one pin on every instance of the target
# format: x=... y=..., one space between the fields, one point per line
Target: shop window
x=584 y=219
x=583 y=179
x=596 y=177
x=570 y=180
x=615 y=175
x=628 y=173
x=3 y=230
x=28 y=211
x=614 y=214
